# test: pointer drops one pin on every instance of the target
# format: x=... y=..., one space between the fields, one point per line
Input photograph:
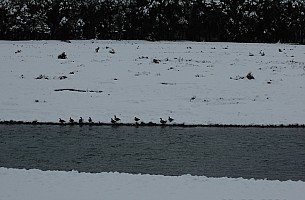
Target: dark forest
x=196 y=20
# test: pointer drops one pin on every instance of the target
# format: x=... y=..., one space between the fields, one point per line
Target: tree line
x=197 y=20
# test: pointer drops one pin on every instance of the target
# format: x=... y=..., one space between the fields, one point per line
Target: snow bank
x=195 y=83
x=20 y=184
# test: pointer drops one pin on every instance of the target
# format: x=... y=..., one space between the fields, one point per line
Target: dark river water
x=261 y=153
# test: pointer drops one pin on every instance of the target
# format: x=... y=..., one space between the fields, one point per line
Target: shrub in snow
x=112 y=51
x=250 y=76
x=62 y=56
x=262 y=53
x=237 y=77
x=156 y=61
x=42 y=77
x=62 y=77
x=199 y=75
x=143 y=57
x=193 y=98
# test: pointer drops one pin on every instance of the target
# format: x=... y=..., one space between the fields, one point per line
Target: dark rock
x=62 y=56
x=250 y=76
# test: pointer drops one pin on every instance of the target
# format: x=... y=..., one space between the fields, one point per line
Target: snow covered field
x=18 y=184
x=195 y=83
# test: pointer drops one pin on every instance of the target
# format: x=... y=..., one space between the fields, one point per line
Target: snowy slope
x=35 y=184
x=152 y=80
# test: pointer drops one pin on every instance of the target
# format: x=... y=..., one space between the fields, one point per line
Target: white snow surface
x=134 y=84
x=20 y=184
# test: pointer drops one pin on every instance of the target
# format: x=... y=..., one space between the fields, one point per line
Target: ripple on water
x=272 y=153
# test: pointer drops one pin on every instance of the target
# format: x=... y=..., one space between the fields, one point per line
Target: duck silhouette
x=136 y=119
x=61 y=121
x=162 y=121
x=113 y=121
x=170 y=119
x=71 y=120
x=81 y=120
x=90 y=120
x=116 y=118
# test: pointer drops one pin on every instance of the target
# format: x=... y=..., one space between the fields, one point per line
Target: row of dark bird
x=113 y=120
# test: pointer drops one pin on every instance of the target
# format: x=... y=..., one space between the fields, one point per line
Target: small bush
x=262 y=53
x=42 y=77
x=112 y=51
x=62 y=77
x=156 y=61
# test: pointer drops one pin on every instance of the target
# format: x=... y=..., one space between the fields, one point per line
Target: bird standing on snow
x=162 y=121
x=61 y=120
x=81 y=120
x=170 y=119
x=136 y=119
x=116 y=118
x=113 y=121
x=71 y=120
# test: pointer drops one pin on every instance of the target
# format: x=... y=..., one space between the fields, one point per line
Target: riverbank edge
x=12 y=122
